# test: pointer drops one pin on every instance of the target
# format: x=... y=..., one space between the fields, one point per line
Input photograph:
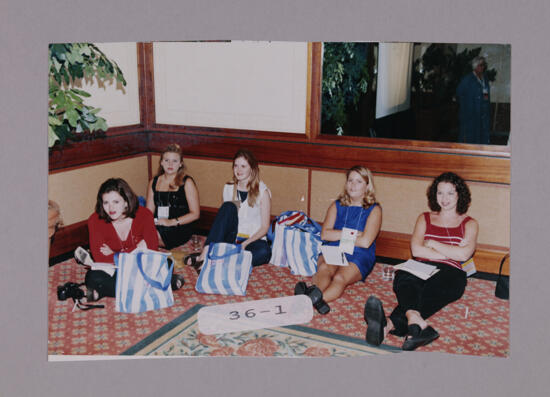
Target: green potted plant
x=68 y=115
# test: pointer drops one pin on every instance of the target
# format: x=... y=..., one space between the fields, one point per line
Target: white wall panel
x=119 y=104
x=243 y=85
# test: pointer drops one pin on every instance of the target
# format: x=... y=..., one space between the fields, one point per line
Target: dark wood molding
x=388 y=244
x=146 y=83
x=288 y=151
x=314 y=86
x=110 y=147
x=67 y=238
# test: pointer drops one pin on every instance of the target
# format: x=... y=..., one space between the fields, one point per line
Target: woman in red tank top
x=444 y=237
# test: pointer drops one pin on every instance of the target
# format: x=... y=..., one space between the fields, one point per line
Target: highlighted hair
x=178 y=180
x=369 y=198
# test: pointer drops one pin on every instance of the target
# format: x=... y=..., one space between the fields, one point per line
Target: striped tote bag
x=225 y=271
x=302 y=245
x=276 y=234
x=143 y=282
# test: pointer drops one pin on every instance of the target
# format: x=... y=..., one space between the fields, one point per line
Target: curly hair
x=178 y=180
x=120 y=186
x=464 y=197
x=369 y=198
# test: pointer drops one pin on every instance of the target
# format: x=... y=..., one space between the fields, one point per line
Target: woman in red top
x=444 y=237
x=118 y=224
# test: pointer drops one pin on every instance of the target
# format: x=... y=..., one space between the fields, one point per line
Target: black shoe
x=300 y=288
x=316 y=296
x=417 y=339
x=177 y=282
x=376 y=321
x=191 y=260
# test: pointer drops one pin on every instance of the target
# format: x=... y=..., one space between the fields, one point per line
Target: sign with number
x=245 y=316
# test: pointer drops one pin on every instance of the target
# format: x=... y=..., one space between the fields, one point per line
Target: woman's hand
x=244 y=244
x=167 y=222
x=428 y=243
x=106 y=250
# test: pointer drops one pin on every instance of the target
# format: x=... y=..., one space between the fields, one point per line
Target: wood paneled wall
x=299 y=154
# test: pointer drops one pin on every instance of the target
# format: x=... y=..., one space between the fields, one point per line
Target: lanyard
x=358 y=219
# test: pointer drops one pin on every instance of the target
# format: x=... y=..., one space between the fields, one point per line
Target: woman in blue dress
x=352 y=223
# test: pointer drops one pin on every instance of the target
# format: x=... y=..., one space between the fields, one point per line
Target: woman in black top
x=173 y=198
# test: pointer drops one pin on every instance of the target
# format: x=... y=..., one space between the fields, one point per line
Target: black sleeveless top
x=176 y=201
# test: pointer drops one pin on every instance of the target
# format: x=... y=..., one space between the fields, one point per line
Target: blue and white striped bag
x=225 y=271
x=302 y=245
x=143 y=282
x=276 y=234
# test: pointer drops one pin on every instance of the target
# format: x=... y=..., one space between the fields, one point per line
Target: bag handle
x=154 y=283
x=235 y=250
x=311 y=226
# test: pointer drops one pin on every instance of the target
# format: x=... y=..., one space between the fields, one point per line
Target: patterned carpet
x=181 y=337
x=478 y=324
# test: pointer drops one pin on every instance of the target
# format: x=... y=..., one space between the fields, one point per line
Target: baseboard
x=389 y=245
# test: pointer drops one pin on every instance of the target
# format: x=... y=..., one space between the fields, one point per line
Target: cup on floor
x=387 y=272
x=196 y=244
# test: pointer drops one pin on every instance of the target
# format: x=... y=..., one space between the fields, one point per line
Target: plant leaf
x=52 y=137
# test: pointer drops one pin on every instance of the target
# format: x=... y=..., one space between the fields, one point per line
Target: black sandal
x=90 y=296
x=177 y=282
x=300 y=288
x=191 y=260
x=416 y=339
x=316 y=296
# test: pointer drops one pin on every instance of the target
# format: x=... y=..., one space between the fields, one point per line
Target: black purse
x=502 y=289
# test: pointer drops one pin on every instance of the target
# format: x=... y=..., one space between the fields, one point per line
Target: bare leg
x=343 y=277
x=325 y=272
x=414 y=317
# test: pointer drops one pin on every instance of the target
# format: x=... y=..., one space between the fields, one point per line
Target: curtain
x=393 y=86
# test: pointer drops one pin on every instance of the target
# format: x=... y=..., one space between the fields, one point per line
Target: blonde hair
x=178 y=180
x=254 y=179
x=369 y=197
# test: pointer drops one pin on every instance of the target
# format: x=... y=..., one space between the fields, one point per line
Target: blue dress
x=355 y=217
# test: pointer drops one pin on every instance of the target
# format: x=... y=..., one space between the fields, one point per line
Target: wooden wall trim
x=388 y=244
x=108 y=148
x=146 y=84
x=67 y=238
x=292 y=152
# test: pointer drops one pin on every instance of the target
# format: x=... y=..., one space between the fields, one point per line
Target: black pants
x=426 y=297
x=104 y=284
x=101 y=282
x=224 y=230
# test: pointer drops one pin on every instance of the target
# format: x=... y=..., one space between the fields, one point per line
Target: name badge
x=163 y=212
x=347 y=242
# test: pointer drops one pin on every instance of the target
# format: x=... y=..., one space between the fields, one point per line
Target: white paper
x=108 y=268
x=419 y=269
x=333 y=255
x=255 y=314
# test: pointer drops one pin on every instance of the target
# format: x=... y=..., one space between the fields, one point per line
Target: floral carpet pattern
x=181 y=337
x=477 y=324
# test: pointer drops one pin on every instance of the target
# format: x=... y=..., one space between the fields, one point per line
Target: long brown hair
x=178 y=180
x=369 y=197
x=254 y=179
